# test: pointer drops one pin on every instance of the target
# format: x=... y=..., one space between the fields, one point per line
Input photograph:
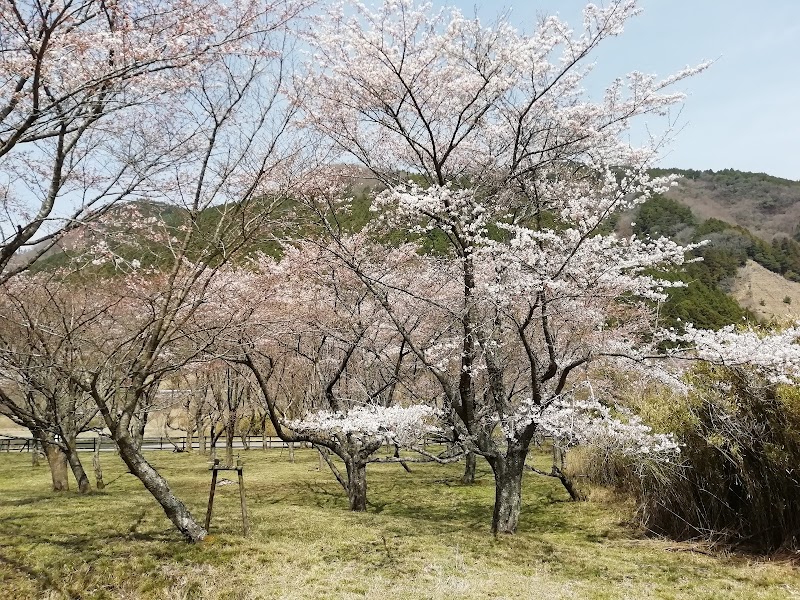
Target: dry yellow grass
x=425 y=536
x=764 y=292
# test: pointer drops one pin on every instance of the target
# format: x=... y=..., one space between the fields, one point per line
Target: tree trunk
x=175 y=510
x=245 y=434
x=559 y=461
x=98 y=471
x=469 y=469
x=139 y=423
x=201 y=440
x=35 y=453
x=229 y=446
x=403 y=463
x=508 y=472
x=264 y=440
x=77 y=469
x=291 y=452
x=189 y=446
x=57 y=460
x=357 y=484
x=213 y=442
x=574 y=493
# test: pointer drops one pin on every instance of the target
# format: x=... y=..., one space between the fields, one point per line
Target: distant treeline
x=726 y=176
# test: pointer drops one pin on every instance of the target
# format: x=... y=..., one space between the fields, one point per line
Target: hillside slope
x=766 y=293
x=765 y=205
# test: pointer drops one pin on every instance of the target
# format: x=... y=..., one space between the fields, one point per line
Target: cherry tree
x=228 y=156
x=205 y=404
x=773 y=355
x=485 y=137
x=230 y=395
x=137 y=330
x=35 y=393
x=89 y=93
x=331 y=370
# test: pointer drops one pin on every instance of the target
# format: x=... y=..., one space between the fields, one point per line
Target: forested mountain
x=743 y=216
x=768 y=206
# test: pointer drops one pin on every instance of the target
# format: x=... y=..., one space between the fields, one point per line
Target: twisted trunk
x=508 y=471
x=356 y=484
x=57 y=461
x=77 y=469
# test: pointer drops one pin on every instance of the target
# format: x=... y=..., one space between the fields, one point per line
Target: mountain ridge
x=766 y=205
x=746 y=217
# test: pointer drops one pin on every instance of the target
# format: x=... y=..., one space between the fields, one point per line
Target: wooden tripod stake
x=215 y=468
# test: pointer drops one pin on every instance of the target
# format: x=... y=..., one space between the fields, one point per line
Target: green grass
x=425 y=536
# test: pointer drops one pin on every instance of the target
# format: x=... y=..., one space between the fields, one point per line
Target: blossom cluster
x=392 y=425
x=571 y=422
x=443 y=207
x=588 y=422
x=775 y=355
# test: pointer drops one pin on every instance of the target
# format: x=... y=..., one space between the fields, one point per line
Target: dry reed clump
x=737 y=480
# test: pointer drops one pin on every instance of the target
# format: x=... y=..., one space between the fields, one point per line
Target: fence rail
x=174 y=444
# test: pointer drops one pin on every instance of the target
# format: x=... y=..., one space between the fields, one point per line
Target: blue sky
x=742 y=113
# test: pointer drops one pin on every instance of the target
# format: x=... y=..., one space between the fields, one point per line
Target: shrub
x=738 y=480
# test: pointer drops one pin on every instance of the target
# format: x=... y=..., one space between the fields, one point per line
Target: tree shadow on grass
x=29 y=500
x=446 y=506
x=88 y=546
x=42 y=579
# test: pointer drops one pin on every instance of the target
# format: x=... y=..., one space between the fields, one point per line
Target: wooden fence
x=175 y=444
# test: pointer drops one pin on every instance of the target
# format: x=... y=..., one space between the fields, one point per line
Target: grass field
x=425 y=536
